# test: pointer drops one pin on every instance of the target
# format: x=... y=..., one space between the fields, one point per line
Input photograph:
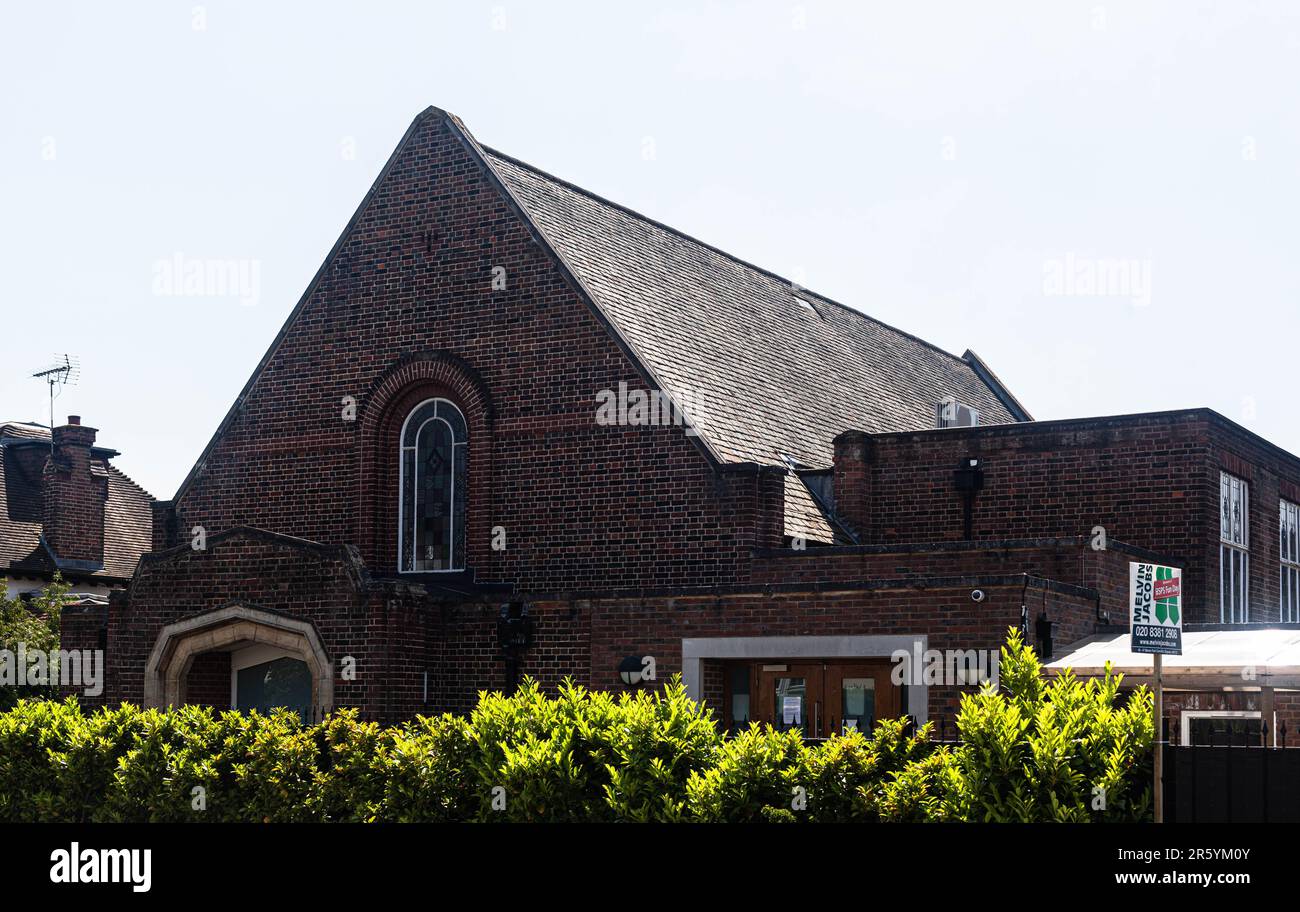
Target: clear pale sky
x=940 y=166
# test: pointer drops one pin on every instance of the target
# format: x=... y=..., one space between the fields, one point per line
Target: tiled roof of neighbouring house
x=771 y=370
x=128 y=516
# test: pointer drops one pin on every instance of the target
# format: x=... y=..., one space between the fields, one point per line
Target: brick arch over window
x=429 y=375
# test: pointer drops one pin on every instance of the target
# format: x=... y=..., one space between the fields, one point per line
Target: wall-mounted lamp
x=635 y=669
x=514 y=635
x=969 y=478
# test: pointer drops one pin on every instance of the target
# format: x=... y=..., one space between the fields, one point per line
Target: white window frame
x=1189 y=714
x=1234 y=541
x=401 y=481
x=1289 y=561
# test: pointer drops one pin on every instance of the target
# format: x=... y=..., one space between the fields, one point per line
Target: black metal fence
x=1233 y=775
x=944 y=730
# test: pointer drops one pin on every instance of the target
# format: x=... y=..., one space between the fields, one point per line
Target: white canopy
x=1235 y=659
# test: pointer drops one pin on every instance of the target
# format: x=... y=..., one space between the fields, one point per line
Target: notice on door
x=1155 y=609
x=791 y=710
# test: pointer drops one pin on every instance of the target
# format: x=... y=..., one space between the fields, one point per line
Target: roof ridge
x=795 y=287
x=128 y=479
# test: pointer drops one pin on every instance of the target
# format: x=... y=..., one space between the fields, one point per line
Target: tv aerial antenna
x=65 y=371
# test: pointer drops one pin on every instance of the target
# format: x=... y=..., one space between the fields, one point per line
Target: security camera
x=977 y=595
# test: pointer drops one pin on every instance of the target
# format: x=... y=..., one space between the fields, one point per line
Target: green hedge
x=1034 y=751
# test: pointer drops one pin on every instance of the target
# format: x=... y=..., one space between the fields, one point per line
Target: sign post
x=1158 y=762
x=1156 y=628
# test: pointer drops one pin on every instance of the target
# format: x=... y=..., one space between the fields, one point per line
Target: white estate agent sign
x=1155 y=595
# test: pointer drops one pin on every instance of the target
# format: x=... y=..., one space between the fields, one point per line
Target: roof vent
x=951 y=413
x=806 y=305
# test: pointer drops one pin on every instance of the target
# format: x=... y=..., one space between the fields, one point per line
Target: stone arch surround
x=226 y=628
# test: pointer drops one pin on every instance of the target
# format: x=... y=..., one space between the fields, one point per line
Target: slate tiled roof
x=128 y=516
x=805 y=518
x=763 y=375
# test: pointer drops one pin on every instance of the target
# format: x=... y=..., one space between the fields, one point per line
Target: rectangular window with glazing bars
x=1289 y=552
x=1234 y=549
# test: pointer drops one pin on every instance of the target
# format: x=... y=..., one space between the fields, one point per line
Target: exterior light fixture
x=514 y=636
x=969 y=475
x=632 y=670
x=969 y=478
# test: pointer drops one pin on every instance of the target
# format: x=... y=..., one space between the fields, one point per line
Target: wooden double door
x=818 y=698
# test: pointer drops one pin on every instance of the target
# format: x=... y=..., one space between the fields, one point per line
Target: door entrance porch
x=817 y=698
x=835 y=674
x=273 y=660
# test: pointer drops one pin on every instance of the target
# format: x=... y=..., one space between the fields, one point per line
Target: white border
x=1189 y=714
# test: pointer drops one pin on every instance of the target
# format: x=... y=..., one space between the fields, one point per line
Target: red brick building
x=463 y=459
x=66 y=509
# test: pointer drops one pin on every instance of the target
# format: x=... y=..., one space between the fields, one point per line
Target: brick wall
x=208 y=683
x=588 y=637
x=80 y=629
x=1136 y=476
x=1148 y=480
x=385 y=629
x=1066 y=560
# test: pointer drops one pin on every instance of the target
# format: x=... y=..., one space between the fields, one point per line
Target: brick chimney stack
x=74 y=490
x=852 y=481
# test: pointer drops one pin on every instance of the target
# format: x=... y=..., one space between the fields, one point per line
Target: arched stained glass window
x=431 y=518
